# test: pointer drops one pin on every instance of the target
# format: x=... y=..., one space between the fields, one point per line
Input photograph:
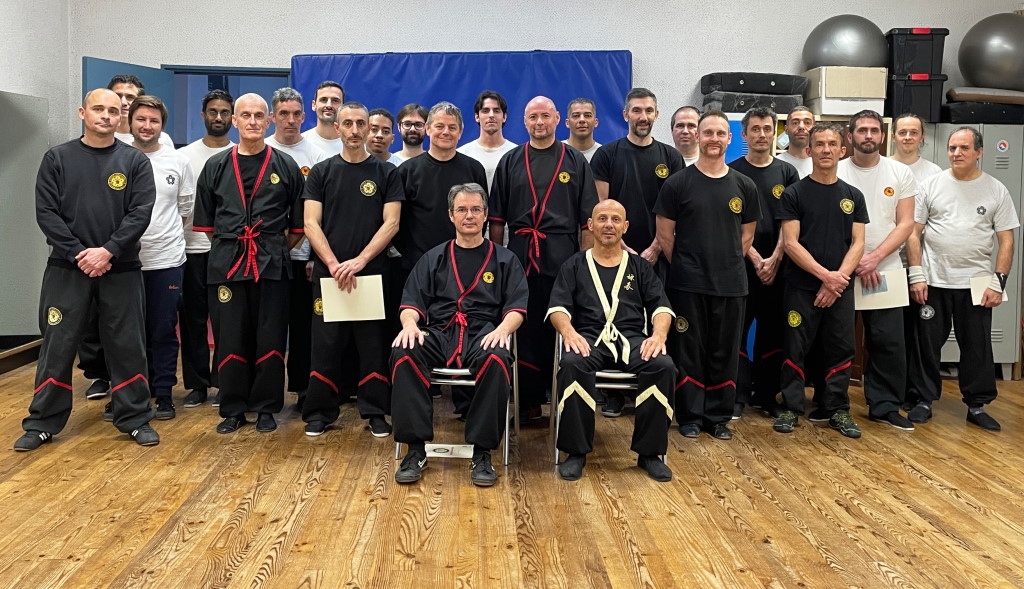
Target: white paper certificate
x=364 y=303
x=891 y=293
x=978 y=286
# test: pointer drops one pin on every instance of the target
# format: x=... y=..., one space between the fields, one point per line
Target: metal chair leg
x=398 y=450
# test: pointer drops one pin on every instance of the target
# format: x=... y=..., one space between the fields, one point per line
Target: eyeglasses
x=218 y=114
x=407 y=125
x=462 y=211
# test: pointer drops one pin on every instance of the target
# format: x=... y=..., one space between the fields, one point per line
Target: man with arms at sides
x=128 y=88
x=490 y=112
x=247 y=201
x=823 y=222
x=353 y=203
x=381 y=135
x=601 y=303
x=94 y=198
x=328 y=99
x=460 y=307
x=798 y=125
x=543 y=192
x=684 y=133
x=706 y=218
x=763 y=261
x=581 y=122
x=412 y=124
x=959 y=215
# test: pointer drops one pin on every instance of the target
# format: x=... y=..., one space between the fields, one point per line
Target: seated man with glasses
x=461 y=304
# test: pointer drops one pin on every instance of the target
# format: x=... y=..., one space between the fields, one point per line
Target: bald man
x=604 y=303
x=543 y=191
x=248 y=201
x=94 y=199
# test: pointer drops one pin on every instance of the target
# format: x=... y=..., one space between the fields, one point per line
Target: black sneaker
x=31 y=440
x=689 y=430
x=720 y=431
x=984 y=421
x=737 y=411
x=894 y=419
x=819 y=415
x=265 y=422
x=216 y=400
x=411 y=468
x=655 y=467
x=145 y=435
x=379 y=427
x=844 y=424
x=195 y=398
x=483 y=474
x=165 y=408
x=921 y=413
x=98 y=389
x=316 y=428
x=231 y=424
x=785 y=422
x=571 y=469
x=613 y=403
x=108 y=412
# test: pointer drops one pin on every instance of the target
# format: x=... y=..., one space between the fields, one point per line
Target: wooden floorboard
x=939 y=507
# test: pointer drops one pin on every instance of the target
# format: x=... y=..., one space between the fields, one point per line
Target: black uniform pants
x=885 y=375
x=163 y=298
x=973 y=326
x=538 y=338
x=195 y=311
x=300 y=318
x=914 y=367
x=64 y=310
x=758 y=377
x=828 y=329
x=412 y=406
x=91 y=359
x=577 y=385
x=251 y=329
x=704 y=344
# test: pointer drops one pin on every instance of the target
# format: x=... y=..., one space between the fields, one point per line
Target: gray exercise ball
x=992 y=52
x=848 y=40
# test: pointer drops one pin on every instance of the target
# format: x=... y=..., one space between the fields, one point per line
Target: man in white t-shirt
x=798 y=127
x=960 y=214
x=412 y=125
x=287 y=114
x=490 y=112
x=381 y=135
x=326 y=103
x=889 y=189
x=684 y=133
x=909 y=131
x=581 y=121
x=128 y=88
x=196 y=372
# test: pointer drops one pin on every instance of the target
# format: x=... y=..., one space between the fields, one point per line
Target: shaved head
x=609 y=206
x=96 y=94
x=251 y=99
x=540 y=101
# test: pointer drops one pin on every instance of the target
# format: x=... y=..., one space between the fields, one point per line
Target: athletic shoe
x=483 y=474
x=819 y=415
x=265 y=422
x=316 y=428
x=689 y=430
x=894 y=419
x=31 y=440
x=721 y=431
x=165 y=408
x=737 y=411
x=216 y=400
x=231 y=424
x=785 y=422
x=921 y=413
x=379 y=427
x=843 y=423
x=145 y=435
x=108 y=412
x=412 y=467
x=98 y=389
x=655 y=467
x=613 y=404
x=195 y=398
x=571 y=469
x=984 y=421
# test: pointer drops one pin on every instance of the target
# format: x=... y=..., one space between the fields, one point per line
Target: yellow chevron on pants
x=576 y=388
x=653 y=391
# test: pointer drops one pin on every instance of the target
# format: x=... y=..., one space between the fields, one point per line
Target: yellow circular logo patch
x=318 y=306
x=777 y=190
x=735 y=204
x=305 y=170
x=794 y=319
x=223 y=294
x=847 y=205
x=488 y=277
x=53 y=316
x=274 y=178
x=682 y=324
x=661 y=171
x=117 y=181
x=889 y=191
x=564 y=177
x=368 y=188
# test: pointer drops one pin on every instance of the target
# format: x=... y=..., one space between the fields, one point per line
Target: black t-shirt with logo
x=709 y=214
x=771 y=181
x=826 y=213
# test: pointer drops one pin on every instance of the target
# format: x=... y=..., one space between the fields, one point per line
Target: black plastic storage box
x=982 y=112
x=915 y=51
x=920 y=94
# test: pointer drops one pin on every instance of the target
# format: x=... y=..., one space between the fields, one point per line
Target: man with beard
x=381 y=136
x=412 y=122
x=684 y=133
x=195 y=310
x=490 y=112
x=128 y=88
x=544 y=192
x=706 y=218
x=329 y=97
x=798 y=125
x=581 y=122
x=889 y=189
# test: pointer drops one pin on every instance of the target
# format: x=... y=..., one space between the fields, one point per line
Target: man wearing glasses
x=412 y=123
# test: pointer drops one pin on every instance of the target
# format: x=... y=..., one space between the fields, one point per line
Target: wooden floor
x=939 y=507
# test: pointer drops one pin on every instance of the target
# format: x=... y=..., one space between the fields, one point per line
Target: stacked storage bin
x=738 y=92
x=915 y=72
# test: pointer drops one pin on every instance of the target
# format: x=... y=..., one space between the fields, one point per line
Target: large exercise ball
x=992 y=52
x=848 y=40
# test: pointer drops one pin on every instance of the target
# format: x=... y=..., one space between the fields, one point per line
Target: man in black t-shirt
x=706 y=217
x=823 y=222
x=763 y=260
x=353 y=203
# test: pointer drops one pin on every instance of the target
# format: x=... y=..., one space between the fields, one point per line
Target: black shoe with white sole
x=98 y=389
x=379 y=427
x=894 y=419
x=31 y=440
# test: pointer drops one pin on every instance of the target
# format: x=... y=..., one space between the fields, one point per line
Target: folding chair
x=462 y=377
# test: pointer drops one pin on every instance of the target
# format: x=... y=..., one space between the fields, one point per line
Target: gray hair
x=446 y=108
x=978 y=142
x=468 y=188
x=285 y=94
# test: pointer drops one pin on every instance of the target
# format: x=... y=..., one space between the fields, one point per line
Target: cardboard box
x=846 y=82
x=844 y=106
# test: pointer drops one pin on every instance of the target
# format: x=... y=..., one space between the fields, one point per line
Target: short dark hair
x=329 y=84
x=822 y=126
x=492 y=95
x=150 y=102
x=218 y=95
x=672 y=121
x=580 y=100
x=639 y=93
x=410 y=108
x=761 y=112
x=381 y=112
x=468 y=188
x=127 y=79
x=978 y=141
x=285 y=94
x=865 y=114
x=712 y=113
x=354 y=104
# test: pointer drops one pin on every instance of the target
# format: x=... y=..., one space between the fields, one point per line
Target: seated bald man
x=600 y=304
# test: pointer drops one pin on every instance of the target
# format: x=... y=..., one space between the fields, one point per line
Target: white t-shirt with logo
x=487 y=156
x=197 y=153
x=328 y=146
x=306 y=155
x=883 y=185
x=163 y=244
x=804 y=166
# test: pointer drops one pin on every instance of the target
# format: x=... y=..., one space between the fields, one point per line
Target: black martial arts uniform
x=461 y=295
x=610 y=307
